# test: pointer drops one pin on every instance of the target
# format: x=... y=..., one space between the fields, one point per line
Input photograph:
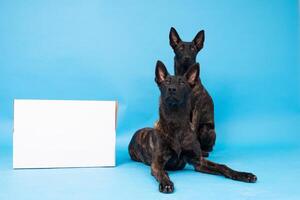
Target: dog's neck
x=172 y=119
x=173 y=124
x=181 y=68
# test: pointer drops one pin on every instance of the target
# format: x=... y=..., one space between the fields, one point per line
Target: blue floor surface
x=275 y=162
x=107 y=50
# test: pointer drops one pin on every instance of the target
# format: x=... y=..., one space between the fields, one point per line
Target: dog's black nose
x=186 y=58
x=172 y=89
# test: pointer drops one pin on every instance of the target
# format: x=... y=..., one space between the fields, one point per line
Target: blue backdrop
x=107 y=50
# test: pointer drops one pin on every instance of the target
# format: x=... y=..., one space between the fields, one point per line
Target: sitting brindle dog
x=173 y=142
x=202 y=108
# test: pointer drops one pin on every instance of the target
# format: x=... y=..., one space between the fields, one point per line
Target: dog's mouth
x=185 y=64
x=186 y=61
x=172 y=101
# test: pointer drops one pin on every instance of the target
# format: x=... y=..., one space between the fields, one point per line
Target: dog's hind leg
x=205 y=130
x=207 y=138
x=141 y=146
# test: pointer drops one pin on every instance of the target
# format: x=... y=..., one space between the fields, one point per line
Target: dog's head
x=175 y=90
x=186 y=52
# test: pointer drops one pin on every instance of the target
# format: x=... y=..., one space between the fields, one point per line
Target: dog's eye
x=181 y=82
x=181 y=47
x=168 y=82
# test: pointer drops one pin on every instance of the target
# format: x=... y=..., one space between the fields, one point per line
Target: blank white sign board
x=64 y=133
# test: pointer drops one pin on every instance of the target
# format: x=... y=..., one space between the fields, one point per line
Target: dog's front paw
x=166 y=187
x=245 y=177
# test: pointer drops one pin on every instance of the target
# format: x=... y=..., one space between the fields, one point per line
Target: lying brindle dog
x=202 y=108
x=173 y=142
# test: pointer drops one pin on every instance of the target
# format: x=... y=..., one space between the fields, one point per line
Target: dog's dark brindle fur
x=173 y=142
x=202 y=110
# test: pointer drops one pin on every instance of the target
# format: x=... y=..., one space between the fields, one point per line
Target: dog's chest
x=181 y=141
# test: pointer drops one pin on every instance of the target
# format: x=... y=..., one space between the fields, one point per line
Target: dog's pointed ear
x=161 y=72
x=192 y=74
x=174 y=38
x=199 y=40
